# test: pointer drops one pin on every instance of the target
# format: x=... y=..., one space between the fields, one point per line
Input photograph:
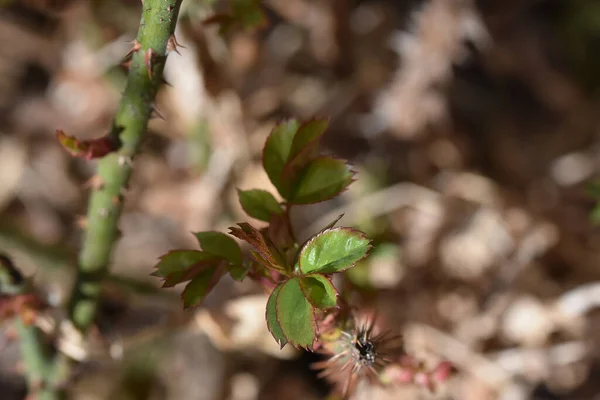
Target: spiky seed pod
x=356 y=352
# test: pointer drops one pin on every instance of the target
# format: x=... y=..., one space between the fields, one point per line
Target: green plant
x=304 y=308
x=297 y=275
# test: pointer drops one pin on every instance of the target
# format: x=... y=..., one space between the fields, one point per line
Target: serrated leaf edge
x=312 y=275
x=312 y=319
x=280 y=342
x=353 y=173
x=309 y=240
x=216 y=276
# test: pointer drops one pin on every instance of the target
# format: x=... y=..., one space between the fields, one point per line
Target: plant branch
x=36 y=352
x=148 y=57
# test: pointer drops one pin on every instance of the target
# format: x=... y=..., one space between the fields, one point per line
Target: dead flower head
x=357 y=351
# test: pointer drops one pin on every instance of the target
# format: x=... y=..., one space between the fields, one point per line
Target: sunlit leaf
x=333 y=250
x=271 y=317
x=259 y=204
x=319 y=291
x=321 y=180
x=295 y=315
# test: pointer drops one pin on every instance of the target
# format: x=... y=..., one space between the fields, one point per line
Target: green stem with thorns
x=156 y=30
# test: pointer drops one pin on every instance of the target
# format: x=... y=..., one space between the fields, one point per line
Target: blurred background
x=474 y=128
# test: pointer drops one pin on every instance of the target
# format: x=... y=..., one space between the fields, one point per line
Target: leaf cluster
x=297 y=275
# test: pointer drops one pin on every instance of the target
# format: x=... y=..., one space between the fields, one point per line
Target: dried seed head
x=356 y=353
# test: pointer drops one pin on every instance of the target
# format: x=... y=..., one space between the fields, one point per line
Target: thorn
x=116 y=200
x=95 y=182
x=149 y=60
x=103 y=212
x=172 y=44
x=136 y=46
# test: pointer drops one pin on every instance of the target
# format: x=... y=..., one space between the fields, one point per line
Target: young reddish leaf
x=321 y=180
x=271 y=317
x=276 y=153
x=265 y=253
x=295 y=315
x=259 y=204
x=319 y=291
x=178 y=261
x=86 y=149
x=333 y=250
x=220 y=245
x=201 y=285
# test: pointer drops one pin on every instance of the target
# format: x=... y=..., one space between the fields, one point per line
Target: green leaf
x=295 y=315
x=276 y=153
x=308 y=136
x=259 y=204
x=305 y=148
x=321 y=180
x=200 y=286
x=319 y=291
x=220 y=245
x=179 y=261
x=333 y=250
x=239 y=272
x=271 y=317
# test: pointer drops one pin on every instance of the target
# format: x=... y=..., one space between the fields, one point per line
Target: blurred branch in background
x=19 y=301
